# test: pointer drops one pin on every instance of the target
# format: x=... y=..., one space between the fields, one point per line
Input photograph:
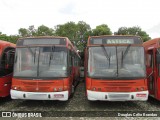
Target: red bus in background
x=115 y=69
x=45 y=68
x=6 y=67
x=152 y=49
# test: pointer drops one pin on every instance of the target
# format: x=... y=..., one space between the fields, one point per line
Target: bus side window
x=10 y=58
x=158 y=69
x=7 y=61
x=150 y=59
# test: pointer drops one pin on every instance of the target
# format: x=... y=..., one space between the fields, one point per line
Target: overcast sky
x=15 y=14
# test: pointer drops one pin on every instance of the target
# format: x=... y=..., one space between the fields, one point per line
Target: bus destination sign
x=120 y=41
x=116 y=40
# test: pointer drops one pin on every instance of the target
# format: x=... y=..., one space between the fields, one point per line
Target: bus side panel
x=158 y=88
x=5 y=85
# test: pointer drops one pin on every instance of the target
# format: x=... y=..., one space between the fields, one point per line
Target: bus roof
x=58 y=41
x=42 y=37
x=4 y=44
x=155 y=41
x=115 y=35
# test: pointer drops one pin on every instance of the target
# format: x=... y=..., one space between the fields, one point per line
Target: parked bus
x=6 y=67
x=152 y=49
x=115 y=69
x=45 y=68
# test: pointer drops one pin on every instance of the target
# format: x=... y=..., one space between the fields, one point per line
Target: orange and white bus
x=152 y=49
x=115 y=69
x=45 y=68
x=6 y=67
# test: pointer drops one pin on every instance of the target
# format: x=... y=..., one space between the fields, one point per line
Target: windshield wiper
x=34 y=56
x=106 y=54
x=125 y=53
x=51 y=54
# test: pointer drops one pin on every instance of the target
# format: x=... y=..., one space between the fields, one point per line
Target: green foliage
x=32 y=31
x=68 y=29
x=11 y=38
x=77 y=33
x=133 y=31
x=101 y=30
x=23 y=32
x=45 y=31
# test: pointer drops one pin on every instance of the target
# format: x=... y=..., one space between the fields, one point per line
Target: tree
x=23 y=32
x=11 y=38
x=101 y=30
x=77 y=33
x=32 y=31
x=44 y=31
x=133 y=31
x=68 y=29
x=84 y=30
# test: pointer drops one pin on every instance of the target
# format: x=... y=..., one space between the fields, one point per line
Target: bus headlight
x=55 y=89
x=16 y=88
x=142 y=88
x=94 y=89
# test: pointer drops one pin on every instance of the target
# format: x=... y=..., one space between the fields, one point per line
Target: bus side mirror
x=158 y=58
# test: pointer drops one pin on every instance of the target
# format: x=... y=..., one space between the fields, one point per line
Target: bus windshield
x=41 y=62
x=116 y=62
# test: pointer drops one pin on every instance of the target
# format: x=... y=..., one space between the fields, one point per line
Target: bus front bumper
x=62 y=96
x=117 y=96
